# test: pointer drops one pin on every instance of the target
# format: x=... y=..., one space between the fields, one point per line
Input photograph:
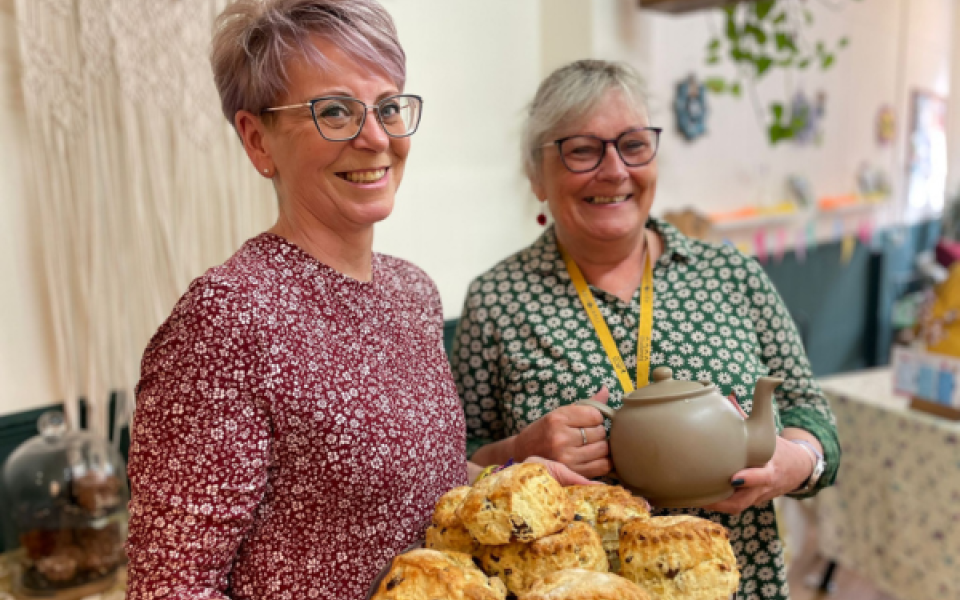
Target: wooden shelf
x=682 y=6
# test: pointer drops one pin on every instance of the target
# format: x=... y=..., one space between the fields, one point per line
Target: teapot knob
x=662 y=374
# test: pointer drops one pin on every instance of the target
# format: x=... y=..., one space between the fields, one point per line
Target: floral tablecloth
x=9 y=560
x=894 y=514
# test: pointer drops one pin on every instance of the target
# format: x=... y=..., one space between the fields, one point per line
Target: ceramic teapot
x=678 y=443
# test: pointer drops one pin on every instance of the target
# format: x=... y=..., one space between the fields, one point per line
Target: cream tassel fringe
x=138 y=182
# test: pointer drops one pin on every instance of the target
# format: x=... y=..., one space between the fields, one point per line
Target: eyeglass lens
x=341 y=118
x=584 y=153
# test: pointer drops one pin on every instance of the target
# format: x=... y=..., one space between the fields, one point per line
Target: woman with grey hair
x=526 y=349
x=296 y=418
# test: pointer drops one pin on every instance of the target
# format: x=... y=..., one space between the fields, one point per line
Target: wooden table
x=894 y=515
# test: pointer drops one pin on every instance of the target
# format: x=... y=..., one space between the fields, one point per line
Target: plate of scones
x=519 y=534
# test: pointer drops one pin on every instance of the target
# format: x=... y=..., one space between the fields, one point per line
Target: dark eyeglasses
x=582 y=153
x=341 y=118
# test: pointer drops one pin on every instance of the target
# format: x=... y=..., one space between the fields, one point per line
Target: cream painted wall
x=895 y=46
x=464 y=203
x=26 y=350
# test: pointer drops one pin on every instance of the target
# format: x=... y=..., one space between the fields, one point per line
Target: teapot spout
x=761 y=428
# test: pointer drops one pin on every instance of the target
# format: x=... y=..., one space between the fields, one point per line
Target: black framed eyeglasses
x=341 y=118
x=582 y=153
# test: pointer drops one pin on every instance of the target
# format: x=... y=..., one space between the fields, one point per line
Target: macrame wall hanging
x=139 y=183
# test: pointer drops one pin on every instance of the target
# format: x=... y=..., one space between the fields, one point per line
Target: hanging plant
x=761 y=38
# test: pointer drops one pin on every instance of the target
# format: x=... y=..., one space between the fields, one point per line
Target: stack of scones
x=518 y=533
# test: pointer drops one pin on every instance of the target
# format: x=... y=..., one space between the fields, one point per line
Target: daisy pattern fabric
x=525 y=346
x=294 y=429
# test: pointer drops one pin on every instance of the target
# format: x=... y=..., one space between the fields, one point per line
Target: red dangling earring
x=542 y=218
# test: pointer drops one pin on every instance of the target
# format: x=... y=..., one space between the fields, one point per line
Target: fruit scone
x=581 y=584
x=520 y=564
x=446 y=530
x=425 y=574
x=521 y=503
x=607 y=508
x=679 y=558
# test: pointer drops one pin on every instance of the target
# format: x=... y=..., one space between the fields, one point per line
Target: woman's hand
x=784 y=472
x=789 y=467
x=557 y=436
x=561 y=473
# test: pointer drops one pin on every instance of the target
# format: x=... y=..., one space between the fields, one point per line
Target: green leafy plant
x=760 y=38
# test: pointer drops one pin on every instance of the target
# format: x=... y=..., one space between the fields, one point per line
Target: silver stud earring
x=265 y=171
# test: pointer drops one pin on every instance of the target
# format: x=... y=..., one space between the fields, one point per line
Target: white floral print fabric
x=294 y=428
x=525 y=346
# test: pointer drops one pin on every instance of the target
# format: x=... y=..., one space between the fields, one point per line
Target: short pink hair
x=253 y=40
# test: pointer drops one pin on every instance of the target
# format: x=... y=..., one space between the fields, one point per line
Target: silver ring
x=583 y=436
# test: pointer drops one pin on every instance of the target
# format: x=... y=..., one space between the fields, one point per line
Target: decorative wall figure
x=800 y=192
x=690 y=106
x=886 y=125
x=808 y=117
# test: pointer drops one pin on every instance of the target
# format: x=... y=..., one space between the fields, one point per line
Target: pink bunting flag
x=760 y=245
x=800 y=245
x=781 y=246
x=865 y=232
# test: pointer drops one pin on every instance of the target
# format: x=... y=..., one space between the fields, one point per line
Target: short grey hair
x=568 y=95
x=253 y=40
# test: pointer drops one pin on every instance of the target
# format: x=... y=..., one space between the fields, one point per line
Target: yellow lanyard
x=603 y=332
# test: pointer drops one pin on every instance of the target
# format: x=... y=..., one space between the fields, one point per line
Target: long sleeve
x=200 y=448
x=800 y=400
x=476 y=372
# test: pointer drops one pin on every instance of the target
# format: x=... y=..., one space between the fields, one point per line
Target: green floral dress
x=525 y=346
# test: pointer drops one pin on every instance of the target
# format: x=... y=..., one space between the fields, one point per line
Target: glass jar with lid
x=65 y=500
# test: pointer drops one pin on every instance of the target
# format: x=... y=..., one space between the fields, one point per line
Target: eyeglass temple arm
x=287 y=107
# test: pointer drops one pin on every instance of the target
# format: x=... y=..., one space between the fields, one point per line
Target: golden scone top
x=598 y=504
x=679 y=558
x=520 y=503
x=445 y=511
x=520 y=564
x=581 y=584
x=607 y=508
x=424 y=574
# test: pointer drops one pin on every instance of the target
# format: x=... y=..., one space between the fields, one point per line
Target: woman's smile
x=607 y=200
x=366 y=178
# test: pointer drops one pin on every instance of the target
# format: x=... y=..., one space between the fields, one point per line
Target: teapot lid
x=665 y=386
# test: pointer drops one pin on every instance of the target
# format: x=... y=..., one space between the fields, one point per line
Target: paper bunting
x=781 y=244
x=865 y=232
x=760 y=245
x=800 y=245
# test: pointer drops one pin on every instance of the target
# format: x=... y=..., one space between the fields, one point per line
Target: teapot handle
x=603 y=408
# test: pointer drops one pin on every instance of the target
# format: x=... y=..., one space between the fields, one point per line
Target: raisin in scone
x=520 y=564
x=679 y=558
x=581 y=584
x=425 y=574
x=447 y=532
x=607 y=508
x=521 y=503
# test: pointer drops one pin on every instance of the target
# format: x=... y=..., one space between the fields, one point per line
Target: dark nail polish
x=737 y=482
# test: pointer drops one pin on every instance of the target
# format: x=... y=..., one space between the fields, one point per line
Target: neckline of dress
x=326 y=269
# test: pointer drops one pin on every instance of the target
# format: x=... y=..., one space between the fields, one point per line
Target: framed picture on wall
x=926 y=154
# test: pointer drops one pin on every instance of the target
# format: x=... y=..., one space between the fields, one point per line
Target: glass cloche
x=65 y=499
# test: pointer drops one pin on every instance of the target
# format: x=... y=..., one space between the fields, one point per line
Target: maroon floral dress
x=294 y=428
